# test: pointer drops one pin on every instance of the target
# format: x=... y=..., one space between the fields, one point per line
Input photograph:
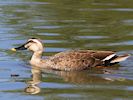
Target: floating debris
x=15 y=75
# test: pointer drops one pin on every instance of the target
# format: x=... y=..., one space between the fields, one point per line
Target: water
x=65 y=25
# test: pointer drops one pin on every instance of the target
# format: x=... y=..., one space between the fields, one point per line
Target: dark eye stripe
x=30 y=42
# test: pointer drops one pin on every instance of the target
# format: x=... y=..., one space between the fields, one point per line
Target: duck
x=71 y=60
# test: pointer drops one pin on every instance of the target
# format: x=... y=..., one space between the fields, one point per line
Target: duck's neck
x=36 y=57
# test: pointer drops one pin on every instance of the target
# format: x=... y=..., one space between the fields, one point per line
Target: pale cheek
x=28 y=45
x=33 y=48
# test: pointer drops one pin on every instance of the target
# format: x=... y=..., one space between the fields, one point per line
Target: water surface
x=65 y=25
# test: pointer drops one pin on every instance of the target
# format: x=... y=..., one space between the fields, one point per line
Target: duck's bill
x=19 y=48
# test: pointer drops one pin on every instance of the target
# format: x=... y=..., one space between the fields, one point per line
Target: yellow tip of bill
x=13 y=49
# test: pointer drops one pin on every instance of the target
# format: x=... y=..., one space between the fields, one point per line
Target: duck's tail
x=113 y=59
x=120 y=58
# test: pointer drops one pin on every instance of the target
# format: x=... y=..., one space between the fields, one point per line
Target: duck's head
x=32 y=44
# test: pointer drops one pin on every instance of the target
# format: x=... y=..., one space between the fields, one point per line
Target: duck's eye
x=30 y=41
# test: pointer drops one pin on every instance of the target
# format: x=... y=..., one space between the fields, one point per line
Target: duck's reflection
x=32 y=85
x=84 y=77
x=80 y=77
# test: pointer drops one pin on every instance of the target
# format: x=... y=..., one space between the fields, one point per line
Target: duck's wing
x=103 y=55
x=85 y=53
x=78 y=59
x=78 y=54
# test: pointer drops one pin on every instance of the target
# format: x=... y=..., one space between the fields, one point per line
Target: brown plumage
x=70 y=60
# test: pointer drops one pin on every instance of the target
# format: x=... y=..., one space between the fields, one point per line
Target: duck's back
x=77 y=59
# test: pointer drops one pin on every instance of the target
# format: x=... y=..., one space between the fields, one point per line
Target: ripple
x=90 y=37
x=4 y=3
x=121 y=43
x=128 y=22
x=56 y=85
x=54 y=41
x=130 y=88
x=8 y=95
x=52 y=49
x=108 y=4
x=11 y=86
x=110 y=44
x=68 y=21
x=49 y=34
x=47 y=27
x=107 y=9
x=10 y=43
x=70 y=95
x=8 y=36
